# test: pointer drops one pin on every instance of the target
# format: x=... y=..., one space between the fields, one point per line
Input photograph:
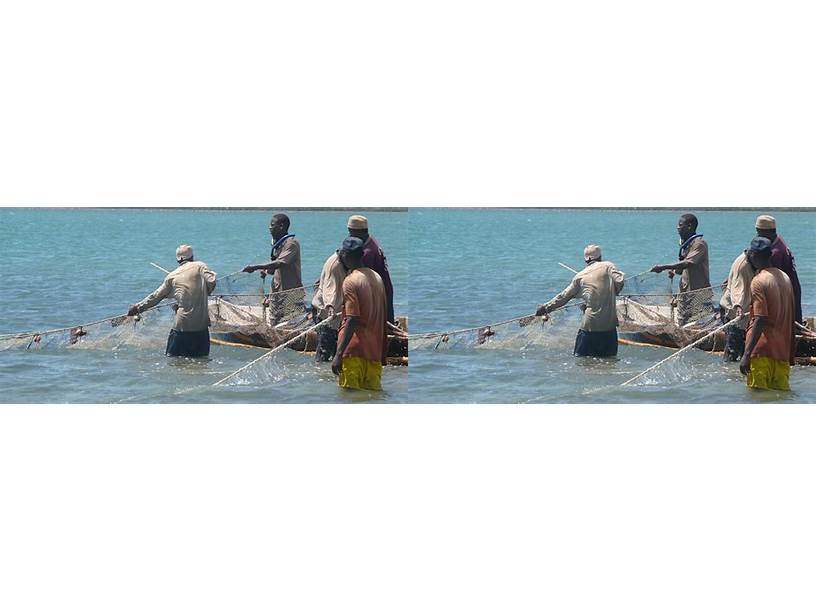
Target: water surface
x=471 y=267
x=63 y=267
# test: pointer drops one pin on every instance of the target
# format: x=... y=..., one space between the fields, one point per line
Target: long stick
x=159 y=267
x=684 y=349
x=274 y=350
x=429 y=335
x=563 y=265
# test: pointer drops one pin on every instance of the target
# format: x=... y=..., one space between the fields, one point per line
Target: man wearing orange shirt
x=361 y=349
x=771 y=345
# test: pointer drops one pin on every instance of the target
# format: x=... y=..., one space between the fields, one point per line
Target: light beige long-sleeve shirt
x=190 y=284
x=330 y=289
x=738 y=289
x=597 y=284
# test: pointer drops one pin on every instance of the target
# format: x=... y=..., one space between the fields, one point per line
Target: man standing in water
x=736 y=299
x=781 y=257
x=285 y=268
x=695 y=292
x=327 y=300
x=373 y=257
x=361 y=350
x=190 y=284
x=771 y=346
x=598 y=284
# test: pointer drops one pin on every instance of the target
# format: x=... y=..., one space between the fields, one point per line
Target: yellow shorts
x=359 y=373
x=767 y=373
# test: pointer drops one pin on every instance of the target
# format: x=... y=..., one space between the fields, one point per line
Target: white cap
x=592 y=252
x=184 y=253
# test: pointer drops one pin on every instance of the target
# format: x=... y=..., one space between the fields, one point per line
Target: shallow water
x=468 y=267
x=64 y=267
x=477 y=266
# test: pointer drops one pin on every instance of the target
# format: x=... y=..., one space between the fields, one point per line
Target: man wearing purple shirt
x=781 y=257
x=373 y=257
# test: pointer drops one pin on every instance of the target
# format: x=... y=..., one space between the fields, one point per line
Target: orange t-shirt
x=772 y=298
x=364 y=298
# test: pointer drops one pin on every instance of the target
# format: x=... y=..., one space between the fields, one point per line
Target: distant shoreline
x=405 y=209
x=238 y=208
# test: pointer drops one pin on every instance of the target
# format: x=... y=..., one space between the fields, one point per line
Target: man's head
x=358 y=227
x=351 y=253
x=687 y=226
x=592 y=253
x=759 y=253
x=766 y=227
x=184 y=253
x=279 y=226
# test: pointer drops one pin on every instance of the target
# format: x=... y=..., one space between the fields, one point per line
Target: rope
x=457 y=332
x=48 y=332
x=710 y=288
x=301 y=288
x=274 y=350
x=684 y=349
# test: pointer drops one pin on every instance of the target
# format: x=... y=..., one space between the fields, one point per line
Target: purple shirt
x=374 y=258
x=782 y=258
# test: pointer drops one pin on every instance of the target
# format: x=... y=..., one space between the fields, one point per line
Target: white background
x=407 y=508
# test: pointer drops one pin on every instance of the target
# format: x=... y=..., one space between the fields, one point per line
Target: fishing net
x=519 y=333
x=263 y=320
x=147 y=330
x=650 y=307
x=245 y=317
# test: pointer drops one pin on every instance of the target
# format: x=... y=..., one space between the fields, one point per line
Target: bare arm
x=753 y=338
x=348 y=331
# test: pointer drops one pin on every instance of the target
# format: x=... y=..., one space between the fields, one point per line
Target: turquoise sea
x=472 y=267
x=63 y=267
x=452 y=269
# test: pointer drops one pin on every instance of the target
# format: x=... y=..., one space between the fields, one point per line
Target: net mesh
x=518 y=333
x=648 y=306
x=147 y=330
x=237 y=310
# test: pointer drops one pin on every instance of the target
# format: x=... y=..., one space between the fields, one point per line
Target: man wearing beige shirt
x=597 y=285
x=327 y=301
x=735 y=301
x=189 y=284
